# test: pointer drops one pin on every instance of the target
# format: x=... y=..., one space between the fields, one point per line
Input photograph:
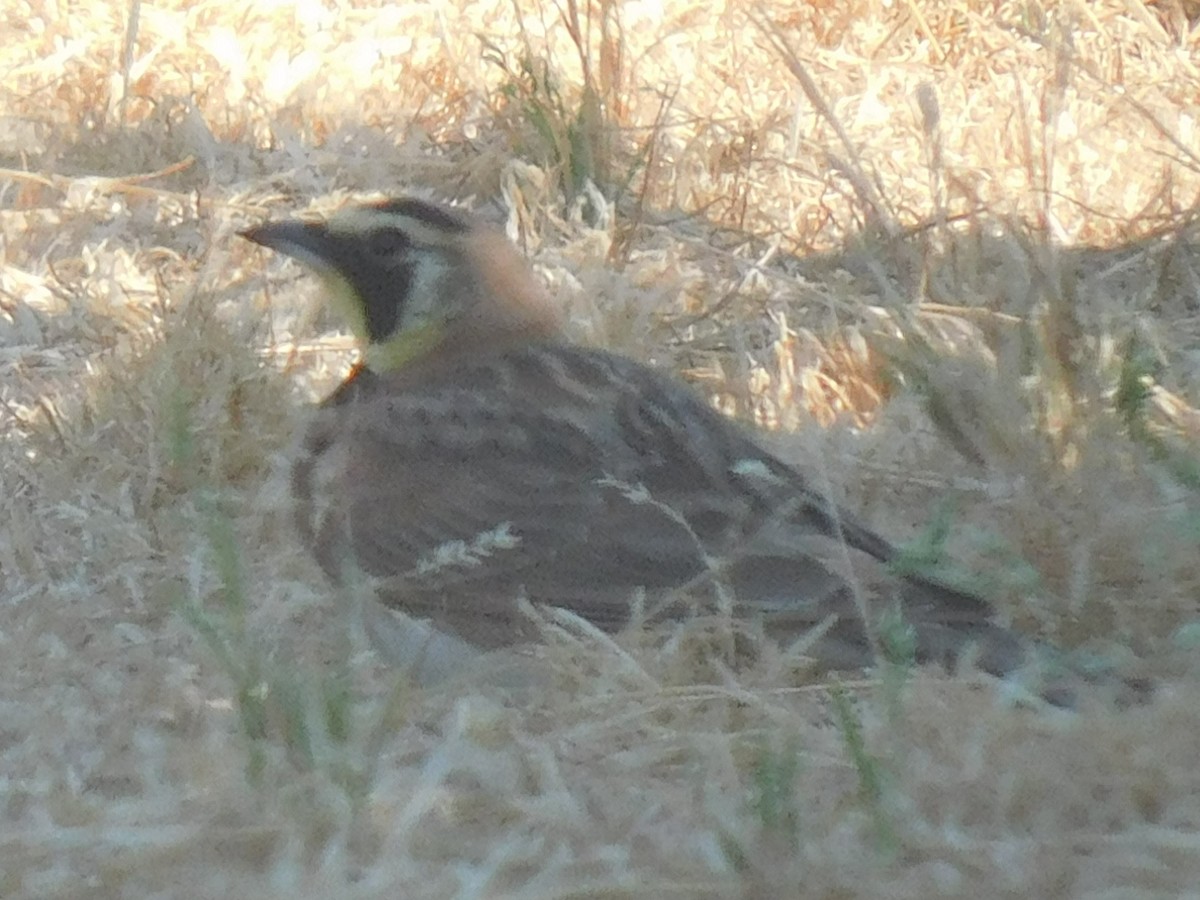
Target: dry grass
x=960 y=236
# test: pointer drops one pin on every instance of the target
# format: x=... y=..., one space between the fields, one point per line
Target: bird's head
x=412 y=278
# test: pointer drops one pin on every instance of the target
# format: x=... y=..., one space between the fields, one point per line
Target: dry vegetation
x=946 y=250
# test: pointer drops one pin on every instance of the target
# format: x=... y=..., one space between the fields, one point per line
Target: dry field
x=946 y=252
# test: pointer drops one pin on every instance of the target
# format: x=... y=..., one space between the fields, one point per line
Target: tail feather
x=851 y=618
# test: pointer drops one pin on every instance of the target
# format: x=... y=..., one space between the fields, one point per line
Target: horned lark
x=478 y=457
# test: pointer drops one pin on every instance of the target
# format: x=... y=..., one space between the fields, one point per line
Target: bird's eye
x=386 y=242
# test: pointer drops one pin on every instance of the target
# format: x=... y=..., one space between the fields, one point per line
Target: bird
x=478 y=460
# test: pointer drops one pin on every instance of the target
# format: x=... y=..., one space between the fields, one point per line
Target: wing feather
x=575 y=477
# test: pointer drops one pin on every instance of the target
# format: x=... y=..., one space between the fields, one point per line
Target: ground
x=944 y=254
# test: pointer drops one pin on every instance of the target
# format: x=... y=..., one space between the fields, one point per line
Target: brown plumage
x=480 y=457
